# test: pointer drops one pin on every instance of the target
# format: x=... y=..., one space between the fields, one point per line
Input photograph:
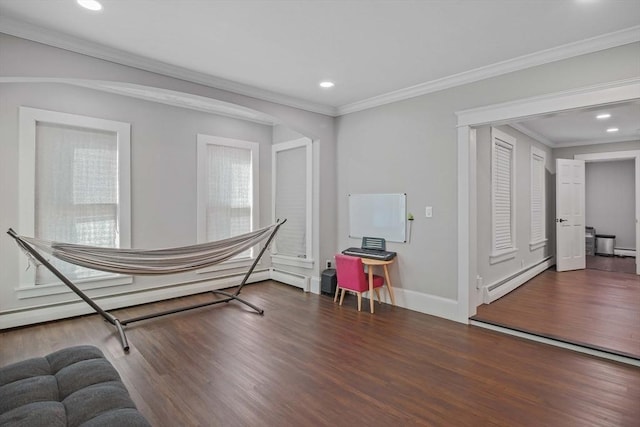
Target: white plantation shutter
x=292 y=197
x=503 y=192
x=538 y=196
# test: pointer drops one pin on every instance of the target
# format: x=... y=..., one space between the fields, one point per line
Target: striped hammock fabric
x=155 y=261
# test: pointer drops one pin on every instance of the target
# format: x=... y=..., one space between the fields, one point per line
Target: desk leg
x=389 y=286
x=370 y=268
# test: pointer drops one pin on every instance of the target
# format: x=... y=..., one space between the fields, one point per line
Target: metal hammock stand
x=120 y=324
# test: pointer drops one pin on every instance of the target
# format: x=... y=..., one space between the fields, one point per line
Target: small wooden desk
x=370 y=263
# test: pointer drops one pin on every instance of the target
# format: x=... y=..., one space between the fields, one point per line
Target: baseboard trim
x=77 y=307
x=294 y=279
x=624 y=252
x=495 y=291
x=556 y=343
x=423 y=303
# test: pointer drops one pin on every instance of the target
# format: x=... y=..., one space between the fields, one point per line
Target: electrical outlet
x=328 y=263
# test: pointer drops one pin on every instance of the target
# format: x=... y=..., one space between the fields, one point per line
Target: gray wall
x=412 y=144
x=610 y=200
x=491 y=273
x=163 y=173
x=163 y=152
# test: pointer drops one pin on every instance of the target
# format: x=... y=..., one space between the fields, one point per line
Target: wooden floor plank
x=592 y=308
x=310 y=362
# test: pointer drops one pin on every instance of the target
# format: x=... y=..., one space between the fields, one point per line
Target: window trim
x=542 y=242
x=203 y=141
x=499 y=137
x=307 y=262
x=28 y=119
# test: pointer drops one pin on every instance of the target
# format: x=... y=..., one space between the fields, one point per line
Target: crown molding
x=60 y=40
x=532 y=134
x=162 y=96
x=506 y=112
x=612 y=140
x=57 y=39
x=552 y=144
x=594 y=44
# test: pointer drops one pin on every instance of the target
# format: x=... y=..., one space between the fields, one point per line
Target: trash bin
x=329 y=281
x=590 y=241
x=605 y=244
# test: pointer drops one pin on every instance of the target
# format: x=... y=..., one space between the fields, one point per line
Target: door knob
x=561 y=220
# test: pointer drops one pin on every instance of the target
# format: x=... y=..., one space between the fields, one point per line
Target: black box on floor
x=329 y=281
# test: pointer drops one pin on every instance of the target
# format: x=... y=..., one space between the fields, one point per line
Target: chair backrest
x=350 y=273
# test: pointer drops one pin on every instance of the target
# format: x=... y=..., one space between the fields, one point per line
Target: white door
x=570 y=207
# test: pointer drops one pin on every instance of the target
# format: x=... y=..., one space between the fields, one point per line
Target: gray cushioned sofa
x=75 y=386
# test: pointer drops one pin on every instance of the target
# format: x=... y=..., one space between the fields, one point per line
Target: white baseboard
x=422 y=303
x=298 y=280
x=427 y=304
x=78 y=307
x=412 y=300
x=624 y=252
x=315 y=285
x=491 y=293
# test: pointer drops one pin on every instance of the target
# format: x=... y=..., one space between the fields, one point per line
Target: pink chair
x=351 y=277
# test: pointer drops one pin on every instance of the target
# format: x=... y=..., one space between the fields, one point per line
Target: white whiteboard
x=378 y=215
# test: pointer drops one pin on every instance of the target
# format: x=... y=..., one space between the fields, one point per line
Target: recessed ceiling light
x=90 y=4
x=611 y=130
x=327 y=84
x=603 y=116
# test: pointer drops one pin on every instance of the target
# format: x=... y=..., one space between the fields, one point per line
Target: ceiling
x=582 y=127
x=375 y=51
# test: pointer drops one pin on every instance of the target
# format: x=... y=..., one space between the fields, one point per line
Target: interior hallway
x=592 y=308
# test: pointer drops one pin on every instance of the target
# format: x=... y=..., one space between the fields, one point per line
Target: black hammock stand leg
x=108 y=317
x=118 y=324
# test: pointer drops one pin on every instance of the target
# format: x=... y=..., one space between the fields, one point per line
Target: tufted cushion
x=75 y=386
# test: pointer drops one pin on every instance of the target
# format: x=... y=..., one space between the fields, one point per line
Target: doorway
x=591 y=308
x=469 y=296
x=613 y=179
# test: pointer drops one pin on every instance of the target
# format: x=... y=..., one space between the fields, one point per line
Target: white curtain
x=229 y=192
x=291 y=201
x=76 y=194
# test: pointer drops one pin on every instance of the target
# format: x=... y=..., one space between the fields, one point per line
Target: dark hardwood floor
x=611 y=263
x=592 y=308
x=310 y=362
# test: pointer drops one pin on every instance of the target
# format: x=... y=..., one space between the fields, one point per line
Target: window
x=538 y=199
x=503 y=148
x=227 y=190
x=74 y=185
x=292 y=168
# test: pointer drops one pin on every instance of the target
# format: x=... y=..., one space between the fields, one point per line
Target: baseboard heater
x=624 y=252
x=294 y=279
x=501 y=288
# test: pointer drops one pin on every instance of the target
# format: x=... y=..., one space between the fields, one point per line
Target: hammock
x=149 y=262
